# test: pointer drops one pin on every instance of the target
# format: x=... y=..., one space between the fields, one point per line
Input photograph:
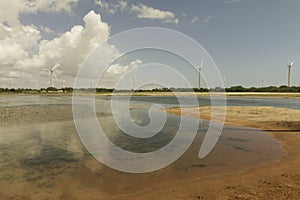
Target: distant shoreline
x=159 y=94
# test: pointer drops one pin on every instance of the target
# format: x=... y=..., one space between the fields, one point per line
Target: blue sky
x=249 y=40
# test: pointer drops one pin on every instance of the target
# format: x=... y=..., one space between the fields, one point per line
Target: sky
x=250 y=41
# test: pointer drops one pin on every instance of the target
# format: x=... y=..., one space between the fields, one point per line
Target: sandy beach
x=279 y=180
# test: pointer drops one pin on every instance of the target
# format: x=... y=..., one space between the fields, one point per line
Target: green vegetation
x=35 y=91
x=274 y=89
x=269 y=89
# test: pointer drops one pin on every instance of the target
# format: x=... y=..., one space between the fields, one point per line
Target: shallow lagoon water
x=47 y=160
x=168 y=101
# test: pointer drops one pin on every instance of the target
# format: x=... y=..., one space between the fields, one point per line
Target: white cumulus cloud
x=70 y=48
x=116 y=72
x=11 y=9
x=16 y=44
x=24 y=54
x=46 y=29
x=117 y=69
x=147 y=12
x=232 y=1
x=110 y=7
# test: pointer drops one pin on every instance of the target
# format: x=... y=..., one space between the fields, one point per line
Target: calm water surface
x=168 y=101
x=47 y=160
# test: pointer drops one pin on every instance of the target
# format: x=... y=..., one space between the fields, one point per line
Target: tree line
x=272 y=89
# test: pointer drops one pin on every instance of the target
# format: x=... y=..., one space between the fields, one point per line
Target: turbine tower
x=262 y=83
x=289 y=72
x=200 y=68
x=133 y=82
x=37 y=84
x=52 y=74
x=153 y=84
x=63 y=83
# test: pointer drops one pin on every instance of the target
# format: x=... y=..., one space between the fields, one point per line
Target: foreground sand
x=280 y=180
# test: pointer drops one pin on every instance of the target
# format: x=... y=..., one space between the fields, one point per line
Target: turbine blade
x=55 y=66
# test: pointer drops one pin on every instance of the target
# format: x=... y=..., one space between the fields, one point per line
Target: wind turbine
x=63 y=83
x=133 y=82
x=289 y=72
x=224 y=81
x=156 y=85
x=37 y=84
x=52 y=73
x=262 y=83
x=200 y=68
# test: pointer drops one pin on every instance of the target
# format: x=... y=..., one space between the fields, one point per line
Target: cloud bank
x=141 y=10
x=24 y=53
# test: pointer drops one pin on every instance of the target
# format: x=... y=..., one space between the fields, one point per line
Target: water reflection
x=47 y=160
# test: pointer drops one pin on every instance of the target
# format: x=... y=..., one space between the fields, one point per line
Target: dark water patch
x=140 y=145
x=241 y=149
x=32 y=177
x=49 y=157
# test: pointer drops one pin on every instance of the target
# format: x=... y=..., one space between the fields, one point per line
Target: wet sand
x=280 y=180
x=21 y=115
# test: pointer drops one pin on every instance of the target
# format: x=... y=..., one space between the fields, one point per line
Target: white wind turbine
x=224 y=81
x=52 y=74
x=156 y=85
x=262 y=83
x=37 y=84
x=200 y=68
x=63 y=83
x=289 y=72
x=133 y=82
